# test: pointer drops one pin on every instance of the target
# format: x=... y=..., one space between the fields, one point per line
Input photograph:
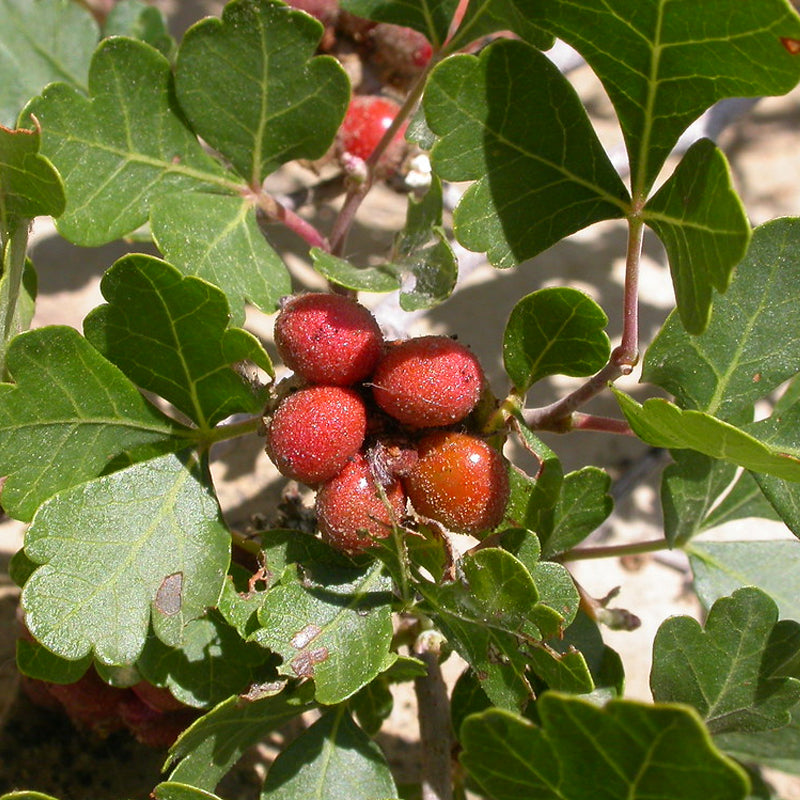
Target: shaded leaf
x=381 y=278
x=727 y=671
x=170 y=790
x=758 y=313
x=138 y=20
x=253 y=89
x=701 y=220
x=206 y=751
x=745 y=499
x=534 y=184
x=664 y=63
x=40 y=663
x=663 y=424
x=144 y=544
x=625 y=749
x=722 y=567
x=68 y=415
x=333 y=625
x=29 y=186
x=431 y=18
x=486 y=17
x=372 y=705
x=210 y=664
x=554 y=331
x=583 y=505
x=333 y=758
x=169 y=334
x=123 y=147
x=41 y=42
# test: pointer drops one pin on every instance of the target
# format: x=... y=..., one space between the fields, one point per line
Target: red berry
x=326 y=11
x=90 y=702
x=367 y=119
x=352 y=511
x=314 y=432
x=460 y=481
x=157 y=698
x=157 y=729
x=428 y=382
x=328 y=338
x=404 y=51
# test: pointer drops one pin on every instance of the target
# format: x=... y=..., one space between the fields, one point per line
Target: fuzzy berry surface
x=459 y=481
x=402 y=50
x=428 y=382
x=315 y=431
x=368 y=117
x=353 y=512
x=328 y=338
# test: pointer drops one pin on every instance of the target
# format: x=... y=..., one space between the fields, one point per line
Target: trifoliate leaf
x=535 y=183
x=554 y=331
x=625 y=749
x=123 y=146
x=757 y=313
x=217 y=237
x=68 y=415
x=728 y=671
x=41 y=42
x=211 y=746
x=334 y=626
x=701 y=220
x=252 y=87
x=169 y=334
x=146 y=544
x=722 y=567
x=662 y=424
x=29 y=185
x=211 y=664
x=664 y=63
x=332 y=759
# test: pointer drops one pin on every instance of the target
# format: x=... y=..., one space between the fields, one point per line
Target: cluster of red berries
x=375 y=424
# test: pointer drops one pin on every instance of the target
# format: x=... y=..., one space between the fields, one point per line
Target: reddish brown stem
x=276 y=212
x=591 y=422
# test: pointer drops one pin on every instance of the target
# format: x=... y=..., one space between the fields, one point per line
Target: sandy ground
x=37 y=751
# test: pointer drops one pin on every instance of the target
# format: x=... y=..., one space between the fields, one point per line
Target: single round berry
x=353 y=511
x=460 y=481
x=368 y=117
x=314 y=432
x=328 y=338
x=404 y=51
x=428 y=382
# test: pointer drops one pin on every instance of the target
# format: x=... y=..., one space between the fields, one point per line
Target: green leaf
x=431 y=18
x=554 y=331
x=689 y=488
x=485 y=17
x=23 y=795
x=206 y=751
x=778 y=749
x=334 y=626
x=372 y=705
x=136 y=19
x=625 y=749
x=664 y=63
x=217 y=237
x=583 y=505
x=124 y=147
x=381 y=278
x=169 y=334
x=41 y=42
x=40 y=663
x=727 y=671
x=744 y=499
x=749 y=347
x=68 y=415
x=29 y=186
x=722 y=567
x=781 y=432
x=701 y=220
x=332 y=759
x=253 y=89
x=663 y=424
x=170 y=790
x=535 y=184
x=144 y=544
x=211 y=663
